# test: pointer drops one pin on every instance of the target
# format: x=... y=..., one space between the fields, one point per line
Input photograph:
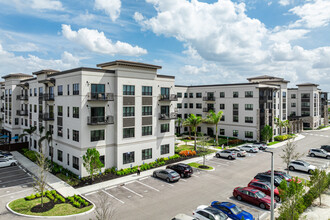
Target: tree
x=282 y=124
x=289 y=153
x=179 y=122
x=103 y=210
x=318 y=180
x=267 y=133
x=291 y=196
x=91 y=162
x=49 y=138
x=28 y=131
x=214 y=118
x=193 y=122
x=203 y=142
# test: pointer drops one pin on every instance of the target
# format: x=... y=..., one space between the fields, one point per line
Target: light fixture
x=87 y=83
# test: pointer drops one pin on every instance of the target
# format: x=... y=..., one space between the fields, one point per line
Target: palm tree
x=41 y=130
x=192 y=122
x=179 y=122
x=281 y=124
x=49 y=138
x=214 y=118
x=28 y=131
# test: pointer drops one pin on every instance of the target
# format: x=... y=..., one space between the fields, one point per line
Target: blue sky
x=199 y=42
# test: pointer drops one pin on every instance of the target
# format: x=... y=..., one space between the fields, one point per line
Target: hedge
x=282 y=137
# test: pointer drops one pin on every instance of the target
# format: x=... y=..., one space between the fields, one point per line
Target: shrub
x=76 y=204
x=186 y=153
x=38 y=195
x=32 y=155
x=31 y=197
x=85 y=203
x=282 y=137
x=175 y=156
x=71 y=199
x=108 y=170
x=50 y=196
x=235 y=142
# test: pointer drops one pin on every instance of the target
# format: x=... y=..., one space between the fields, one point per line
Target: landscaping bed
x=200 y=166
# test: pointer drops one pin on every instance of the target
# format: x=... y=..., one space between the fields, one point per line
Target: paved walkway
x=54 y=182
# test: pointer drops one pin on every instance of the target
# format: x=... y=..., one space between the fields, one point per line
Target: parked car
x=183 y=169
x=227 y=154
x=302 y=166
x=284 y=175
x=326 y=148
x=6 y=162
x=183 y=217
x=265 y=188
x=204 y=212
x=167 y=174
x=260 y=146
x=5 y=153
x=239 y=152
x=253 y=196
x=267 y=178
x=232 y=210
x=6 y=156
x=319 y=153
x=249 y=148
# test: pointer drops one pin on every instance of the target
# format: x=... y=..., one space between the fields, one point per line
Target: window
x=248 y=119
x=235 y=106
x=222 y=94
x=186 y=95
x=249 y=107
x=68 y=89
x=68 y=159
x=284 y=94
x=248 y=94
x=146 y=110
x=51 y=129
x=76 y=89
x=179 y=94
x=34 y=144
x=68 y=111
x=97 y=135
x=199 y=105
x=235 y=118
x=222 y=106
x=128 y=157
x=59 y=131
x=147 y=90
x=35 y=109
x=305 y=95
x=191 y=105
x=102 y=160
x=128 y=111
x=68 y=133
x=75 y=135
x=75 y=162
x=185 y=105
x=30 y=92
x=293 y=104
x=191 y=95
x=60 y=90
x=128 y=90
x=128 y=132
x=185 y=116
x=164 y=128
x=293 y=96
x=35 y=91
x=222 y=131
x=248 y=134
x=41 y=91
x=164 y=149
x=16 y=121
x=179 y=105
x=60 y=110
x=146 y=130
x=59 y=155
x=198 y=95
x=75 y=112
x=235 y=94
x=235 y=133
x=147 y=154
x=222 y=118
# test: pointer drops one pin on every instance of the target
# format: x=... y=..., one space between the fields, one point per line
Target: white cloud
x=36 y=4
x=110 y=7
x=23 y=47
x=288 y=35
x=284 y=2
x=96 y=41
x=313 y=14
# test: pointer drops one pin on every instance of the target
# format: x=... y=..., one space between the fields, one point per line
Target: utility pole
x=271 y=186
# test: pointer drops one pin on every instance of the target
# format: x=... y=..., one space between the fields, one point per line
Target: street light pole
x=271 y=186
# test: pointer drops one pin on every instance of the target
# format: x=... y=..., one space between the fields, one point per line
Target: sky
x=197 y=41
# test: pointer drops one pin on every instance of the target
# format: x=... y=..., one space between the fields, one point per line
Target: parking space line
x=112 y=196
x=218 y=163
x=194 y=175
x=129 y=182
x=110 y=187
x=183 y=180
x=5 y=168
x=144 y=178
x=132 y=191
x=247 y=204
x=14 y=180
x=14 y=193
x=4 y=177
x=262 y=215
x=87 y=194
x=148 y=186
x=7 y=172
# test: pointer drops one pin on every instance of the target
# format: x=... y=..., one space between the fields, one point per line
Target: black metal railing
x=22 y=97
x=170 y=116
x=22 y=112
x=46 y=116
x=95 y=96
x=100 y=120
x=208 y=109
x=168 y=97
x=49 y=97
x=208 y=98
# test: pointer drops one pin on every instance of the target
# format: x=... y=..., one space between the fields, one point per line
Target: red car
x=253 y=196
x=265 y=188
x=284 y=175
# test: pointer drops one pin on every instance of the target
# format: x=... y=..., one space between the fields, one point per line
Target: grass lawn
x=272 y=143
x=196 y=165
x=191 y=147
x=24 y=207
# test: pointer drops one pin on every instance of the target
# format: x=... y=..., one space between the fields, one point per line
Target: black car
x=183 y=169
x=326 y=148
x=267 y=178
x=5 y=153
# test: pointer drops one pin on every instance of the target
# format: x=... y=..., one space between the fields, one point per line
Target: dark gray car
x=168 y=175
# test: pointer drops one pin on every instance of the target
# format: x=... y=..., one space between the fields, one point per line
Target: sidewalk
x=299 y=137
x=54 y=182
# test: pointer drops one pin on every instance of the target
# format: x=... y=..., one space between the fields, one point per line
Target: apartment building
x=122 y=108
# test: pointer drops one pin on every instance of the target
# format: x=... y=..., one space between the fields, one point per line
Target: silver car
x=319 y=153
x=249 y=148
x=239 y=152
x=167 y=174
x=260 y=146
x=227 y=154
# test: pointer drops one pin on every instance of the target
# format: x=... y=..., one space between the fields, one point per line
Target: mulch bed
x=46 y=207
x=203 y=167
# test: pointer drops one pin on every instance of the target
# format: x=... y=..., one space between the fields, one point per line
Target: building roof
x=213 y=85
x=265 y=77
x=307 y=84
x=45 y=71
x=165 y=76
x=16 y=75
x=81 y=69
x=128 y=63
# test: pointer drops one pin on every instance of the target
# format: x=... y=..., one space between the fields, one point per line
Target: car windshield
x=260 y=194
x=305 y=163
x=323 y=151
x=287 y=176
x=236 y=210
x=220 y=216
x=172 y=172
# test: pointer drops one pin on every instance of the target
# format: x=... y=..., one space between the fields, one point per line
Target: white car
x=319 y=153
x=227 y=154
x=183 y=217
x=204 y=212
x=302 y=166
x=6 y=162
x=249 y=148
x=239 y=152
x=6 y=156
x=260 y=146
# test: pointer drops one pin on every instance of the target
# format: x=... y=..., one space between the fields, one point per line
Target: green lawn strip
x=22 y=206
x=191 y=147
x=272 y=143
x=196 y=165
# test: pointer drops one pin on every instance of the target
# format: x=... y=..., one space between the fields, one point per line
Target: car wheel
x=277 y=198
x=239 y=198
x=168 y=180
x=251 y=151
x=312 y=155
x=217 y=155
x=328 y=157
x=155 y=175
x=291 y=168
x=262 y=206
x=12 y=164
x=230 y=157
x=310 y=171
x=239 y=155
x=182 y=175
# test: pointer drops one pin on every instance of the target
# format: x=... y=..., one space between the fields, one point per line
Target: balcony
x=46 y=116
x=22 y=97
x=22 y=112
x=48 y=97
x=208 y=109
x=171 y=97
x=170 y=116
x=41 y=96
x=2 y=97
x=2 y=109
x=209 y=98
x=94 y=96
x=100 y=120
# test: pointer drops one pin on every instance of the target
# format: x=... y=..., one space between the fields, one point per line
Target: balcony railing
x=46 y=116
x=22 y=112
x=208 y=98
x=170 y=97
x=95 y=96
x=100 y=120
x=2 y=97
x=170 y=116
x=22 y=97
x=49 y=97
x=208 y=109
x=41 y=96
